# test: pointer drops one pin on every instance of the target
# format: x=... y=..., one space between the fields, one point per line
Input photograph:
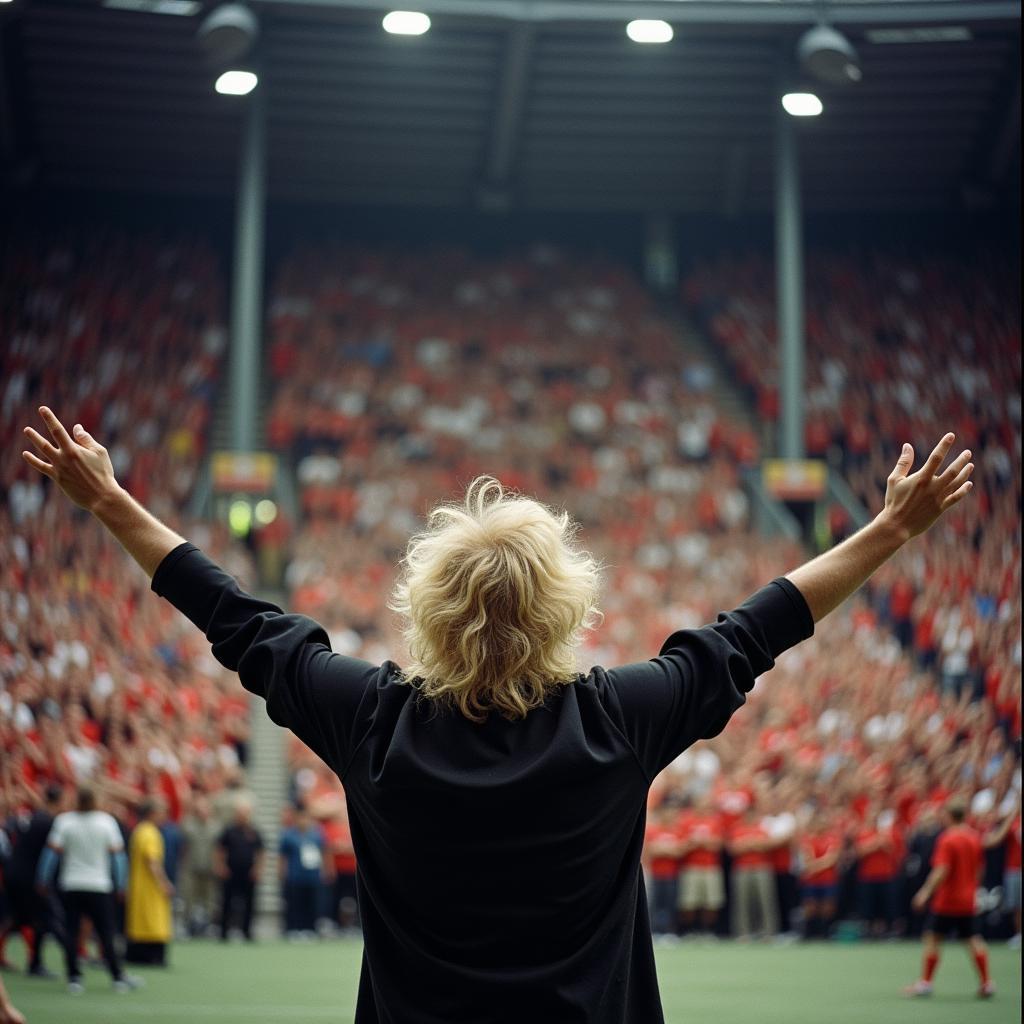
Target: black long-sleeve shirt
x=499 y=863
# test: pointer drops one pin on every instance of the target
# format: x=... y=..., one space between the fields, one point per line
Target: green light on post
x=240 y=518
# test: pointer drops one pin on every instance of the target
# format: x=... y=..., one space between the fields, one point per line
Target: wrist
x=893 y=533
x=109 y=501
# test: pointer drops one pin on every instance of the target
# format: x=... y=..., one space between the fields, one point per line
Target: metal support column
x=247 y=279
x=789 y=286
x=661 y=268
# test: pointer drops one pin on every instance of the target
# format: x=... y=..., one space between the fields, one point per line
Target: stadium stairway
x=268 y=782
x=267 y=775
x=724 y=392
x=220 y=427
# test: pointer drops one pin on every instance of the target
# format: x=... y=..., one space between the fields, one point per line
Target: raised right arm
x=913 y=502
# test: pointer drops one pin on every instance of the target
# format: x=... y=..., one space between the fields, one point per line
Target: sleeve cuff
x=166 y=567
x=794 y=621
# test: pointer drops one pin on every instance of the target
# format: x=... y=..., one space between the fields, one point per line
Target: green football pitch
x=274 y=981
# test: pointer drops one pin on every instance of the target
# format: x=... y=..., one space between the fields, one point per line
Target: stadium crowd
x=902 y=348
x=400 y=376
x=126 y=335
x=98 y=686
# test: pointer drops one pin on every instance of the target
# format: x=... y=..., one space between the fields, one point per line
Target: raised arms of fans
x=913 y=502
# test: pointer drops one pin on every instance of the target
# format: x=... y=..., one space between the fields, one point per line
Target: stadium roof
x=537 y=106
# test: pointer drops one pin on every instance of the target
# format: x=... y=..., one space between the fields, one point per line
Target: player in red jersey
x=701 y=879
x=820 y=848
x=953 y=882
x=661 y=858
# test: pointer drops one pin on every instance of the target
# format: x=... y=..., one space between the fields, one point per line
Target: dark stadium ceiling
x=530 y=105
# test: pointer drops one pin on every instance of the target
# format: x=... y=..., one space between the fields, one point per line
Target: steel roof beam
x=509 y=104
x=708 y=12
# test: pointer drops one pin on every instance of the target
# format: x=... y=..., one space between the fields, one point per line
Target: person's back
x=86 y=839
x=959 y=849
x=500 y=859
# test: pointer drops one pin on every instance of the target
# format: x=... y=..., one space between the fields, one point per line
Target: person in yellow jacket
x=148 y=918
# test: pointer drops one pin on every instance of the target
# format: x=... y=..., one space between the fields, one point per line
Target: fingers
x=56 y=428
x=958 y=495
x=37 y=463
x=41 y=443
x=955 y=466
x=937 y=456
x=904 y=462
x=960 y=478
x=83 y=437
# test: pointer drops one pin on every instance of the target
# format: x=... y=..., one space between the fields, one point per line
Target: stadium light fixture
x=649 y=30
x=227 y=34
x=236 y=83
x=177 y=8
x=802 y=104
x=406 y=23
x=829 y=56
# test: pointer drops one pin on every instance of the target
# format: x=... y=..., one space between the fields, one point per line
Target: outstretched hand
x=78 y=465
x=913 y=501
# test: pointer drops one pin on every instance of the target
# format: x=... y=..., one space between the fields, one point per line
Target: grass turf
x=276 y=982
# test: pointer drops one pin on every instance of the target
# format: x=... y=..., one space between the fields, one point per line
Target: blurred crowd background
x=397 y=375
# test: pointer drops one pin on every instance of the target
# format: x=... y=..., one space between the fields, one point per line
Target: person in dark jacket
x=29 y=907
x=918 y=861
x=496 y=795
x=238 y=863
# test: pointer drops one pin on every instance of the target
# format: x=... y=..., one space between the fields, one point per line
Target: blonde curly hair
x=495 y=595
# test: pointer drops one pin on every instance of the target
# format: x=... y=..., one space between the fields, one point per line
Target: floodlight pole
x=789 y=287
x=247 y=275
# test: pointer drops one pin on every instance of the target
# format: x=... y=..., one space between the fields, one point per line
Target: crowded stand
x=100 y=684
x=399 y=376
x=902 y=349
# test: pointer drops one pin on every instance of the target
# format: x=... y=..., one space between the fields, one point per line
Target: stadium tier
x=124 y=334
x=400 y=376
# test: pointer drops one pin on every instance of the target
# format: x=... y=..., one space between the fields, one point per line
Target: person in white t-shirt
x=93 y=866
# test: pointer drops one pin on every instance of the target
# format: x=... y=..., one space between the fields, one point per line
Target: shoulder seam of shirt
x=615 y=725
x=385 y=670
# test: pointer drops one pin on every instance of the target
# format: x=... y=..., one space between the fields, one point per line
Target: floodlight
x=179 y=8
x=828 y=55
x=802 y=104
x=236 y=83
x=646 y=30
x=266 y=512
x=227 y=33
x=406 y=23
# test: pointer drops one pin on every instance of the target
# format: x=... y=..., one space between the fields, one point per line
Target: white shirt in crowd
x=86 y=839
